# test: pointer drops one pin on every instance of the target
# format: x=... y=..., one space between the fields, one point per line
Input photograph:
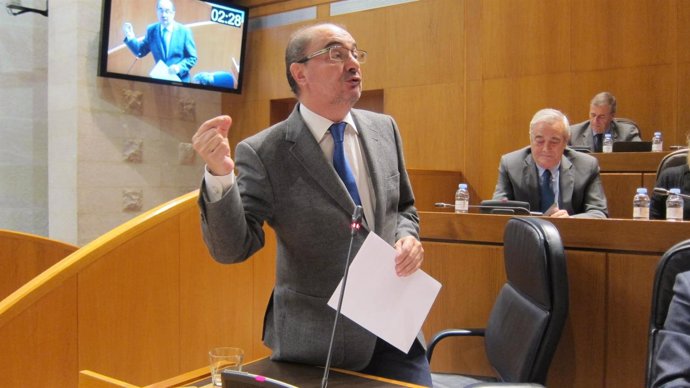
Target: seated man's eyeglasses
x=337 y=54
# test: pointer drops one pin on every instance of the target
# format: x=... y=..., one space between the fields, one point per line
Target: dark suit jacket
x=581 y=134
x=182 y=50
x=672 y=364
x=580 y=189
x=285 y=180
x=672 y=177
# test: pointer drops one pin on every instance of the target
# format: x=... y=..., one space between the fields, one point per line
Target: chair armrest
x=451 y=333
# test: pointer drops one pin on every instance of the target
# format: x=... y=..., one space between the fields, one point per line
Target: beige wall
x=76 y=158
x=23 y=132
x=464 y=77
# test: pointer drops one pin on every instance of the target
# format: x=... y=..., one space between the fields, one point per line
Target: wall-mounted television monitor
x=189 y=43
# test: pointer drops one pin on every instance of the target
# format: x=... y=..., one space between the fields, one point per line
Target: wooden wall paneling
x=471 y=276
x=264 y=65
x=42 y=337
x=431 y=186
x=683 y=85
x=631 y=34
x=629 y=300
x=431 y=141
x=580 y=358
x=620 y=189
x=516 y=35
x=140 y=281
x=682 y=10
x=649 y=181
x=23 y=256
x=247 y=119
x=423 y=43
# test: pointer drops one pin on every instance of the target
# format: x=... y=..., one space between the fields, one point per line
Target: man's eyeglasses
x=337 y=54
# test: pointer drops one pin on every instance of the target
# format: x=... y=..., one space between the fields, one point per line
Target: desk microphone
x=494 y=209
x=665 y=193
x=355 y=224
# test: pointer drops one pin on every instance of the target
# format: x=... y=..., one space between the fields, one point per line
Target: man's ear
x=297 y=71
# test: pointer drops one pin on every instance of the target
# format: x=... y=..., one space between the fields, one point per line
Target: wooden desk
x=622 y=173
x=300 y=375
x=611 y=266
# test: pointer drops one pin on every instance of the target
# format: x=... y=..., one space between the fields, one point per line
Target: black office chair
x=529 y=313
x=629 y=122
x=675 y=158
x=674 y=261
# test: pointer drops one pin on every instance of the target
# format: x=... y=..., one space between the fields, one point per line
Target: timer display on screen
x=227 y=16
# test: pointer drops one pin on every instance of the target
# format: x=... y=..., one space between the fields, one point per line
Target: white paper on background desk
x=161 y=71
x=392 y=307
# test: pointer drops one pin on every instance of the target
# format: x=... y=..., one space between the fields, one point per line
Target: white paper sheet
x=391 y=307
x=160 y=71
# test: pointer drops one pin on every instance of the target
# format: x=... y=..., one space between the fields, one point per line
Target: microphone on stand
x=355 y=224
x=495 y=209
x=665 y=193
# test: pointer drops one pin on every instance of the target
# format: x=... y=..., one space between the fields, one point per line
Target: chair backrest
x=675 y=158
x=629 y=122
x=527 y=319
x=674 y=261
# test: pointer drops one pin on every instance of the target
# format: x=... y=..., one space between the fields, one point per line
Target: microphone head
x=660 y=191
x=357 y=218
x=357 y=214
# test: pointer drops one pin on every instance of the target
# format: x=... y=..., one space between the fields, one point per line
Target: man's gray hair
x=550 y=116
x=604 y=98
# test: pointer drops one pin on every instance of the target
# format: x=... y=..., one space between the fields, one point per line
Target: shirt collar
x=318 y=125
x=554 y=171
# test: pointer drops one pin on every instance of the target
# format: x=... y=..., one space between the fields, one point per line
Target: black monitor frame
x=112 y=25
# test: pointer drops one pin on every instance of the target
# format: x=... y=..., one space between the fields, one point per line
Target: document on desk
x=392 y=307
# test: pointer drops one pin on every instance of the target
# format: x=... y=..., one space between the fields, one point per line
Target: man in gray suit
x=590 y=133
x=554 y=179
x=672 y=363
x=287 y=179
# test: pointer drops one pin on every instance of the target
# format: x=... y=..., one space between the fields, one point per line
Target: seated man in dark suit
x=672 y=366
x=554 y=179
x=671 y=177
x=590 y=133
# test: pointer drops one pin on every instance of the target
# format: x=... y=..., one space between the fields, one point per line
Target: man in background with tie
x=170 y=42
x=304 y=176
x=555 y=180
x=590 y=133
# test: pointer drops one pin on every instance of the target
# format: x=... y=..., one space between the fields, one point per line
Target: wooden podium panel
x=622 y=173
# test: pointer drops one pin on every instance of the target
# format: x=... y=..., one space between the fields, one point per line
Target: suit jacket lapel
x=567 y=183
x=370 y=137
x=530 y=180
x=307 y=151
x=587 y=136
